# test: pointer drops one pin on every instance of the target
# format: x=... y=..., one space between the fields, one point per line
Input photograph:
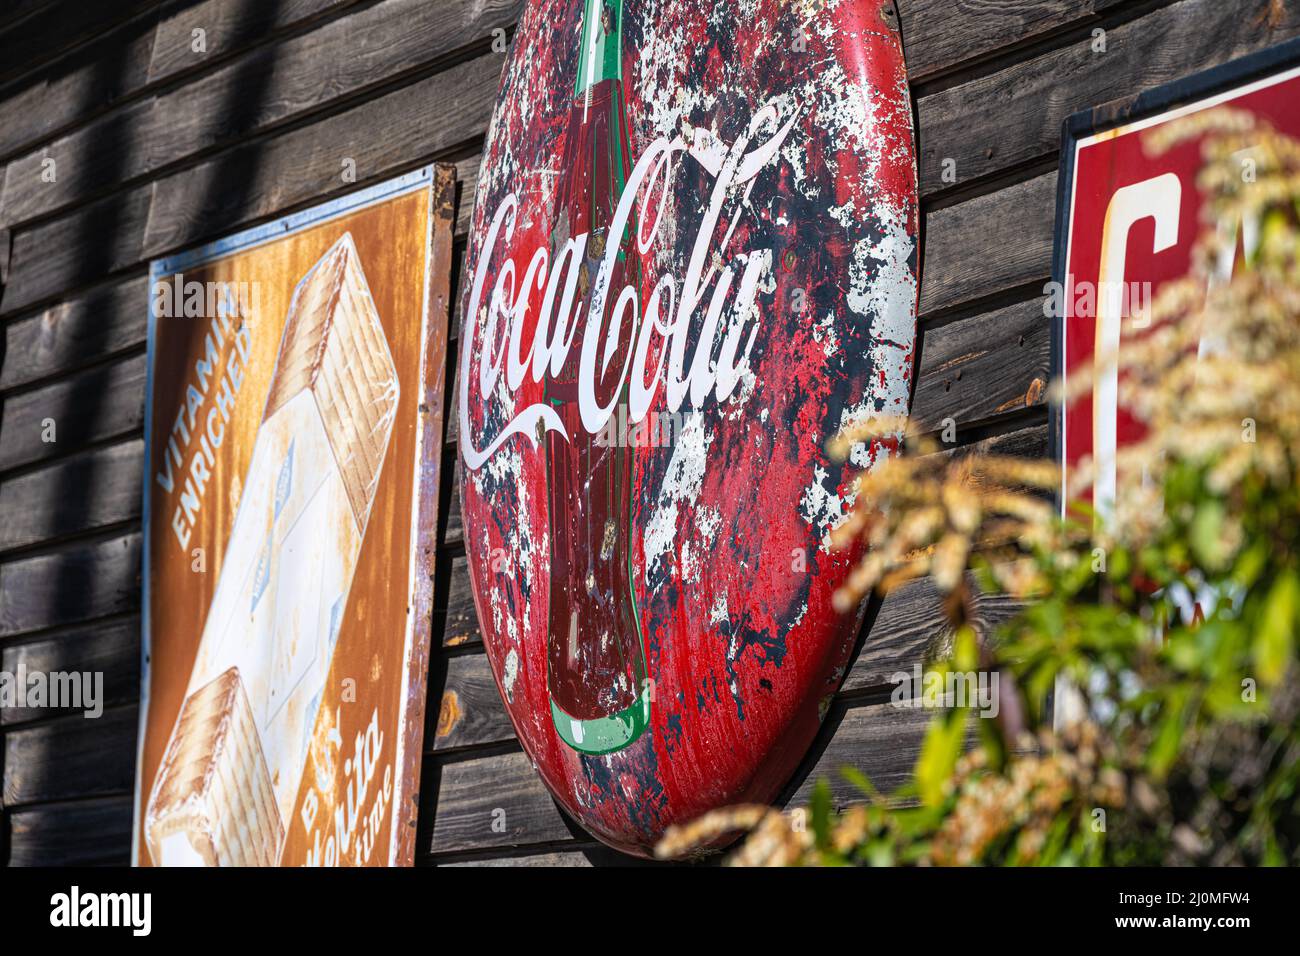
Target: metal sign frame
x=440 y=182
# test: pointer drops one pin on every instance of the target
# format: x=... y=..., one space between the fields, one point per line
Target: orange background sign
x=354 y=802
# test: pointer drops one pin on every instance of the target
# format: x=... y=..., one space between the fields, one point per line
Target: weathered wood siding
x=157 y=147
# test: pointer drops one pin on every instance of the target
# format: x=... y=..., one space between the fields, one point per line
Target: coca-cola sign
x=693 y=261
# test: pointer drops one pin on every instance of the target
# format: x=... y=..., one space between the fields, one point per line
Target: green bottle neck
x=601 y=55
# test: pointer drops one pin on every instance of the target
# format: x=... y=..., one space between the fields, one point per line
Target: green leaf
x=965 y=649
x=1274 y=233
x=1251 y=564
x=1274 y=642
x=1206 y=534
x=1169 y=734
x=944 y=741
x=821 y=813
x=880 y=854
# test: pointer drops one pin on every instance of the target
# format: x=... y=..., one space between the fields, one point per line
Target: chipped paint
x=681 y=485
x=511 y=674
x=780 y=235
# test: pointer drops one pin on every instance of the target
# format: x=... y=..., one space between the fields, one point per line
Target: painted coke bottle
x=600 y=699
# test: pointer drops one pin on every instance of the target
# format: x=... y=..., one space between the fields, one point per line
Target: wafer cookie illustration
x=269 y=637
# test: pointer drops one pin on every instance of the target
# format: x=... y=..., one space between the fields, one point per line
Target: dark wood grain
x=249 y=183
x=941 y=34
x=71 y=757
x=453 y=429
x=571 y=854
x=1024 y=440
x=15 y=12
x=989 y=244
x=73 y=584
x=262 y=88
x=89 y=244
x=130 y=60
x=6 y=249
x=83 y=328
x=499 y=801
x=979 y=368
x=94 y=489
x=572 y=858
x=53 y=28
x=467 y=171
x=228 y=26
x=1014 y=116
x=493 y=801
x=455 y=529
x=461 y=628
x=103 y=402
x=909 y=629
x=471 y=712
x=113 y=318
x=881 y=741
x=37 y=105
x=380 y=137
x=110 y=649
x=95 y=832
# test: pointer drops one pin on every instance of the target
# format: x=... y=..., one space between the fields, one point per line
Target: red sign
x=692 y=262
x=1127 y=224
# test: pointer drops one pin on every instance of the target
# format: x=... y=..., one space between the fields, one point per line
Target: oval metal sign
x=693 y=261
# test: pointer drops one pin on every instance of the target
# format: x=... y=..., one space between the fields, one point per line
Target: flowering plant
x=1184 y=747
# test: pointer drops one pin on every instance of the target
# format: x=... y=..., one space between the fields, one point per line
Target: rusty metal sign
x=1128 y=217
x=693 y=260
x=295 y=392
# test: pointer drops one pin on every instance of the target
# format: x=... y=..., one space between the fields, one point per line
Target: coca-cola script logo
x=692 y=262
x=668 y=310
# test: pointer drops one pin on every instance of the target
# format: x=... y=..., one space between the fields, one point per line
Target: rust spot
x=961 y=360
x=1035 y=392
x=449 y=713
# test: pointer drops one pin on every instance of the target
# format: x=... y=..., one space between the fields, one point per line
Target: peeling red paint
x=728 y=525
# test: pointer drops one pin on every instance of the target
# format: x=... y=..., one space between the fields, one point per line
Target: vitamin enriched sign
x=295 y=388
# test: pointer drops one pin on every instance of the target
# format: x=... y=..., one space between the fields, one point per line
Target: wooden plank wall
x=157 y=146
